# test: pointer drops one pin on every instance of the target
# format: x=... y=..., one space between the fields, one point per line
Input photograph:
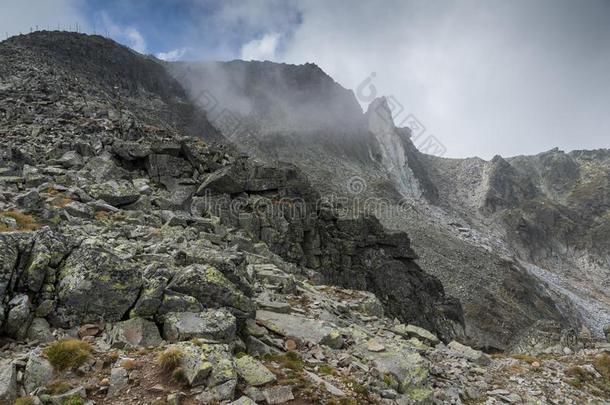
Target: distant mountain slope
x=516 y=239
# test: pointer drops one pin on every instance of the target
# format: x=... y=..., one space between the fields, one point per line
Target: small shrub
x=388 y=380
x=68 y=354
x=170 y=359
x=178 y=375
x=58 y=387
x=25 y=401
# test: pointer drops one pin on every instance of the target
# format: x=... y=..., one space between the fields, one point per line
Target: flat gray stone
x=219 y=325
x=253 y=371
x=118 y=381
x=136 y=332
x=467 y=352
x=278 y=395
x=292 y=325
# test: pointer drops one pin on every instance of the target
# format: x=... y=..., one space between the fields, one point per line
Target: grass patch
x=74 y=400
x=388 y=379
x=25 y=222
x=290 y=360
x=58 y=387
x=24 y=401
x=68 y=354
x=170 y=359
x=326 y=369
x=358 y=388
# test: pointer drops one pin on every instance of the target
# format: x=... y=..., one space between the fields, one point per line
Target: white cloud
x=135 y=39
x=127 y=35
x=484 y=77
x=264 y=48
x=173 y=55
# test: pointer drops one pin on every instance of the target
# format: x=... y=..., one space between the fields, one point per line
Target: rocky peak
x=280 y=96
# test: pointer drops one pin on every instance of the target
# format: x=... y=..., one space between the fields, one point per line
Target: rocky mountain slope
x=145 y=259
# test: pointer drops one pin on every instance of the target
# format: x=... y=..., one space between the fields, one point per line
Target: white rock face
x=394 y=157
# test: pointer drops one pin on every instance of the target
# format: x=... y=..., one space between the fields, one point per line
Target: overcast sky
x=485 y=77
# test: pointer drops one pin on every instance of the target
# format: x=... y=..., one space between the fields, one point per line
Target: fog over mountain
x=484 y=77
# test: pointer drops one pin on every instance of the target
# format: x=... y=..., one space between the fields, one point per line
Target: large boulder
x=409 y=369
x=8 y=382
x=211 y=324
x=40 y=331
x=48 y=251
x=94 y=284
x=228 y=180
x=9 y=258
x=19 y=316
x=467 y=352
x=115 y=192
x=212 y=289
x=207 y=364
x=38 y=372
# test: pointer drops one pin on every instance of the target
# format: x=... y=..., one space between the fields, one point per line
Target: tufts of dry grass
x=129 y=364
x=527 y=358
x=61 y=202
x=105 y=216
x=170 y=359
x=577 y=376
x=67 y=354
x=25 y=222
x=602 y=365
